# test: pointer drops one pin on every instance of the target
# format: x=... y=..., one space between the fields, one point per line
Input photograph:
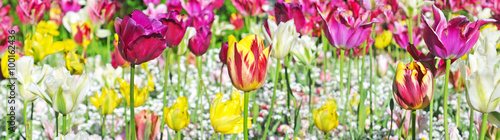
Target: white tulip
x=304 y=49
x=82 y=135
x=61 y=90
x=411 y=7
x=282 y=38
x=27 y=73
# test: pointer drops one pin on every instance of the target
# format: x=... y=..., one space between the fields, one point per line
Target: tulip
x=412 y=87
x=223 y=53
x=237 y=21
x=250 y=7
x=47 y=27
x=107 y=76
x=177 y=116
x=304 y=49
x=411 y=7
x=116 y=58
x=401 y=36
x=174 y=5
x=155 y=12
x=69 y=5
x=107 y=102
x=140 y=96
x=140 y=37
x=282 y=38
x=56 y=15
x=7 y=59
x=383 y=40
x=74 y=62
x=31 y=11
x=100 y=11
x=247 y=62
x=326 y=117
x=285 y=12
x=177 y=24
x=27 y=73
x=82 y=135
x=147 y=125
x=40 y=46
x=82 y=34
x=201 y=41
x=345 y=31
x=155 y=2
x=61 y=90
x=225 y=117
x=451 y=40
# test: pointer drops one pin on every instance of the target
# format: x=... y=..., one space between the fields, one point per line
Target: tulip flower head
x=285 y=12
x=177 y=24
x=326 y=117
x=107 y=102
x=147 y=125
x=61 y=90
x=100 y=11
x=4 y=62
x=223 y=52
x=31 y=11
x=304 y=49
x=237 y=21
x=140 y=96
x=140 y=37
x=69 y=5
x=226 y=117
x=282 y=38
x=39 y=46
x=250 y=7
x=82 y=34
x=247 y=62
x=449 y=40
x=27 y=73
x=74 y=62
x=182 y=48
x=116 y=57
x=412 y=87
x=177 y=116
x=201 y=41
x=401 y=35
x=344 y=31
x=383 y=40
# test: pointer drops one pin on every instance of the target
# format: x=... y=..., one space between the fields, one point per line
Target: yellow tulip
x=326 y=117
x=39 y=46
x=5 y=63
x=226 y=117
x=383 y=40
x=68 y=45
x=177 y=116
x=107 y=102
x=47 y=27
x=74 y=62
x=82 y=33
x=140 y=96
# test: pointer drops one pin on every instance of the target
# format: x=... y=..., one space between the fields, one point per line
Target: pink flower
x=101 y=11
x=147 y=123
x=154 y=2
x=343 y=30
x=155 y=12
x=250 y=7
x=31 y=11
x=69 y=5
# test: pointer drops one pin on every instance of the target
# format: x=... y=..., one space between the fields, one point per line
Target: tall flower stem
x=410 y=29
x=342 y=53
x=220 y=77
x=200 y=98
x=179 y=76
x=484 y=126
x=414 y=124
x=64 y=125
x=471 y=123
x=447 y=76
x=103 y=126
x=273 y=99
x=26 y=124
x=165 y=84
x=132 y=113
x=178 y=135
x=325 y=62
x=310 y=99
x=245 y=116
x=57 y=123
x=127 y=132
x=431 y=109
x=288 y=89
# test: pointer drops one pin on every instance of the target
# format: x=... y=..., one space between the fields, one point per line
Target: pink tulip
x=174 y=5
x=6 y=27
x=287 y=11
x=177 y=25
x=31 y=11
x=237 y=21
x=401 y=36
x=144 y=121
x=428 y=61
x=155 y=2
x=250 y=7
x=101 y=11
x=69 y=5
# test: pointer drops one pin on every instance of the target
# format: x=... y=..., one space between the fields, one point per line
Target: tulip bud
x=237 y=21
x=412 y=87
x=383 y=40
x=226 y=117
x=147 y=125
x=223 y=53
x=326 y=117
x=177 y=116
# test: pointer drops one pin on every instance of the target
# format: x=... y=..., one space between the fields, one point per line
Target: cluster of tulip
x=60 y=67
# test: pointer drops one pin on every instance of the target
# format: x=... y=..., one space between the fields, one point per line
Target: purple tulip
x=201 y=41
x=155 y=2
x=140 y=37
x=177 y=26
x=69 y=5
x=223 y=52
x=174 y=5
x=101 y=11
x=449 y=40
x=288 y=11
x=204 y=19
x=401 y=36
x=344 y=31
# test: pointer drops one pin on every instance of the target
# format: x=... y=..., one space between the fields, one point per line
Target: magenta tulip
x=344 y=31
x=31 y=11
x=174 y=5
x=101 y=11
x=223 y=53
x=155 y=2
x=288 y=11
x=428 y=61
x=177 y=26
x=401 y=36
x=249 y=7
x=69 y=5
x=449 y=40
x=412 y=86
x=201 y=41
x=140 y=37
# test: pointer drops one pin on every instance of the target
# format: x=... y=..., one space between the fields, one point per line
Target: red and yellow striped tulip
x=247 y=62
x=412 y=87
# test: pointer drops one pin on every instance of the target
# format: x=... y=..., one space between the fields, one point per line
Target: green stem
x=108 y=52
x=289 y=94
x=26 y=124
x=200 y=84
x=64 y=125
x=179 y=76
x=414 y=124
x=447 y=76
x=165 y=84
x=57 y=123
x=132 y=113
x=221 y=136
x=431 y=109
x=220 y=78
x=245 y=116
x=103 y=127
x=273 y=99
x=410 y=30
x=127 y=133
x=484 y=126
x=342 y=53
x=471 y=123
x=325 y=49
x=178 y=135
x=310 y=99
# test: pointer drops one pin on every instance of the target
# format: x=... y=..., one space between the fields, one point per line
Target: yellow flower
x=47 y=27
x=74 y=62
x=107 y=102
x=82 y=33
x=177 y=116
x=383 y=40
x=226 y=117
x=68 y=45
x=5 y=63
x=326 y=117
x=140 y=96
x=40 y=46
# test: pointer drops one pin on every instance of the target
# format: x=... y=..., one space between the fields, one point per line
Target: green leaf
x=494 y=118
